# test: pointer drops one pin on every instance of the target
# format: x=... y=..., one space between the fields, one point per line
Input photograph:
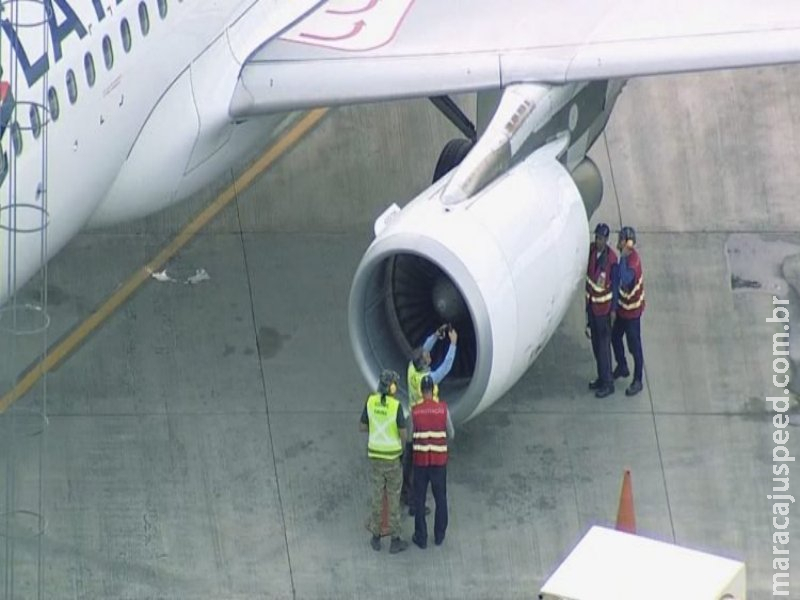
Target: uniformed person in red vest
x=432 y=426
x=629 y=297
x=599 y=314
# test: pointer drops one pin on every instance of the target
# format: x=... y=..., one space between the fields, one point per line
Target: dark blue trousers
x=600 y=328
x=437 y=476
x=631 y=329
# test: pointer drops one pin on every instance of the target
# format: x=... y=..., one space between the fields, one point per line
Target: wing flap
x=351 y=51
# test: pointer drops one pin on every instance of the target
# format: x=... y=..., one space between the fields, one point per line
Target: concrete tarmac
x=204 y=443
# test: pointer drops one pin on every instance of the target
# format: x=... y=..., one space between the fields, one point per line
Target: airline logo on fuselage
x=61 y=20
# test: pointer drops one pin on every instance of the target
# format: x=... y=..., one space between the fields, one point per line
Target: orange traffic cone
x=626 y=519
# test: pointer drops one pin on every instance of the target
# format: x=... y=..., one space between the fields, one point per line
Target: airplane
x=136 y=105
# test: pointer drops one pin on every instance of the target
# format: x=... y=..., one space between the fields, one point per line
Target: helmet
x=426 y=384
x=388 y=377
x=602 y=229
x=627 y=233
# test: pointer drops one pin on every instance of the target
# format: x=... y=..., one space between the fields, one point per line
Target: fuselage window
x=162 y=8
x=16 y=138
x=144 y=18
x=72 y=86
x=88 y=65
x=125 y=32
x=52 y=101
x=36 y=120
x=108 y=52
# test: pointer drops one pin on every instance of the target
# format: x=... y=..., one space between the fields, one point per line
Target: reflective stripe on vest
x=423 y=435
x=632 y=305
x=633 y=299
x=384 y=437
x=599 y=299
x=429 y=448
x=598 y=280
x=595 y=287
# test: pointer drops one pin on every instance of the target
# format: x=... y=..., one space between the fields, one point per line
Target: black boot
x=375 y=542
x=397 y=545
x=596 y=384
x=604 y=391
x=634 y=388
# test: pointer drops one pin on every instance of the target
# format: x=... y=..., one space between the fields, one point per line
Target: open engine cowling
x=501 y=267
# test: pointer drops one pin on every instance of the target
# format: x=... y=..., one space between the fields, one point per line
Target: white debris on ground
x=162 y=276
x=199 y=275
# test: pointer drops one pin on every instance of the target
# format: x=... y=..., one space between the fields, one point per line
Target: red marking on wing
x=368 y=6
x=358 y=26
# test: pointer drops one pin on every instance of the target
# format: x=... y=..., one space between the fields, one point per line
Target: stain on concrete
x=769 y=265
x=754 y=262
x=248 y=352
x=56 y=296
x=270 y=342
x=229 y=350
x=738 y=282
x=338 y=494
x=299 y=447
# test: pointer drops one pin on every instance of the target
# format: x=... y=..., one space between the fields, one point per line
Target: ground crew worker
x=432 y=427
x=629 y=292
x=420 y=364
x=418 y=367
x=384 y=419
x=599 y=314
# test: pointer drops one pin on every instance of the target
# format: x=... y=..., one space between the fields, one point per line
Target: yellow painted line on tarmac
x=68 y=344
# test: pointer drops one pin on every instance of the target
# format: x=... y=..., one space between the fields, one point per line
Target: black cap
x=627 y=233
x=602 y=229
x=426 y=385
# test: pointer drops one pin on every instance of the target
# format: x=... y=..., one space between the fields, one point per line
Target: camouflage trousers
x=385 y=474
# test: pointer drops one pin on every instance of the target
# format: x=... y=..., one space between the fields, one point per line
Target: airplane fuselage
x=133 y=98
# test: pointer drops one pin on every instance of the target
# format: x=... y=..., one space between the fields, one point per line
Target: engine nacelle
x=501 y=267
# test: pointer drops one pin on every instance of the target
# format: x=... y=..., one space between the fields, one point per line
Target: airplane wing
x=350 y=51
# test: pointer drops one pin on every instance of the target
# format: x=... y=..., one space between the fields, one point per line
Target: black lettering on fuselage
x=33 y=72
x=59 y=31
x=98 y=9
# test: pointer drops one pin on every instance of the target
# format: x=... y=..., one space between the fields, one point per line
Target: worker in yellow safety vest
x=383 y=418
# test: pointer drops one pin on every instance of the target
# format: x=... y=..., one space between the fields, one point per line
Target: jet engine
x=501 y=267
